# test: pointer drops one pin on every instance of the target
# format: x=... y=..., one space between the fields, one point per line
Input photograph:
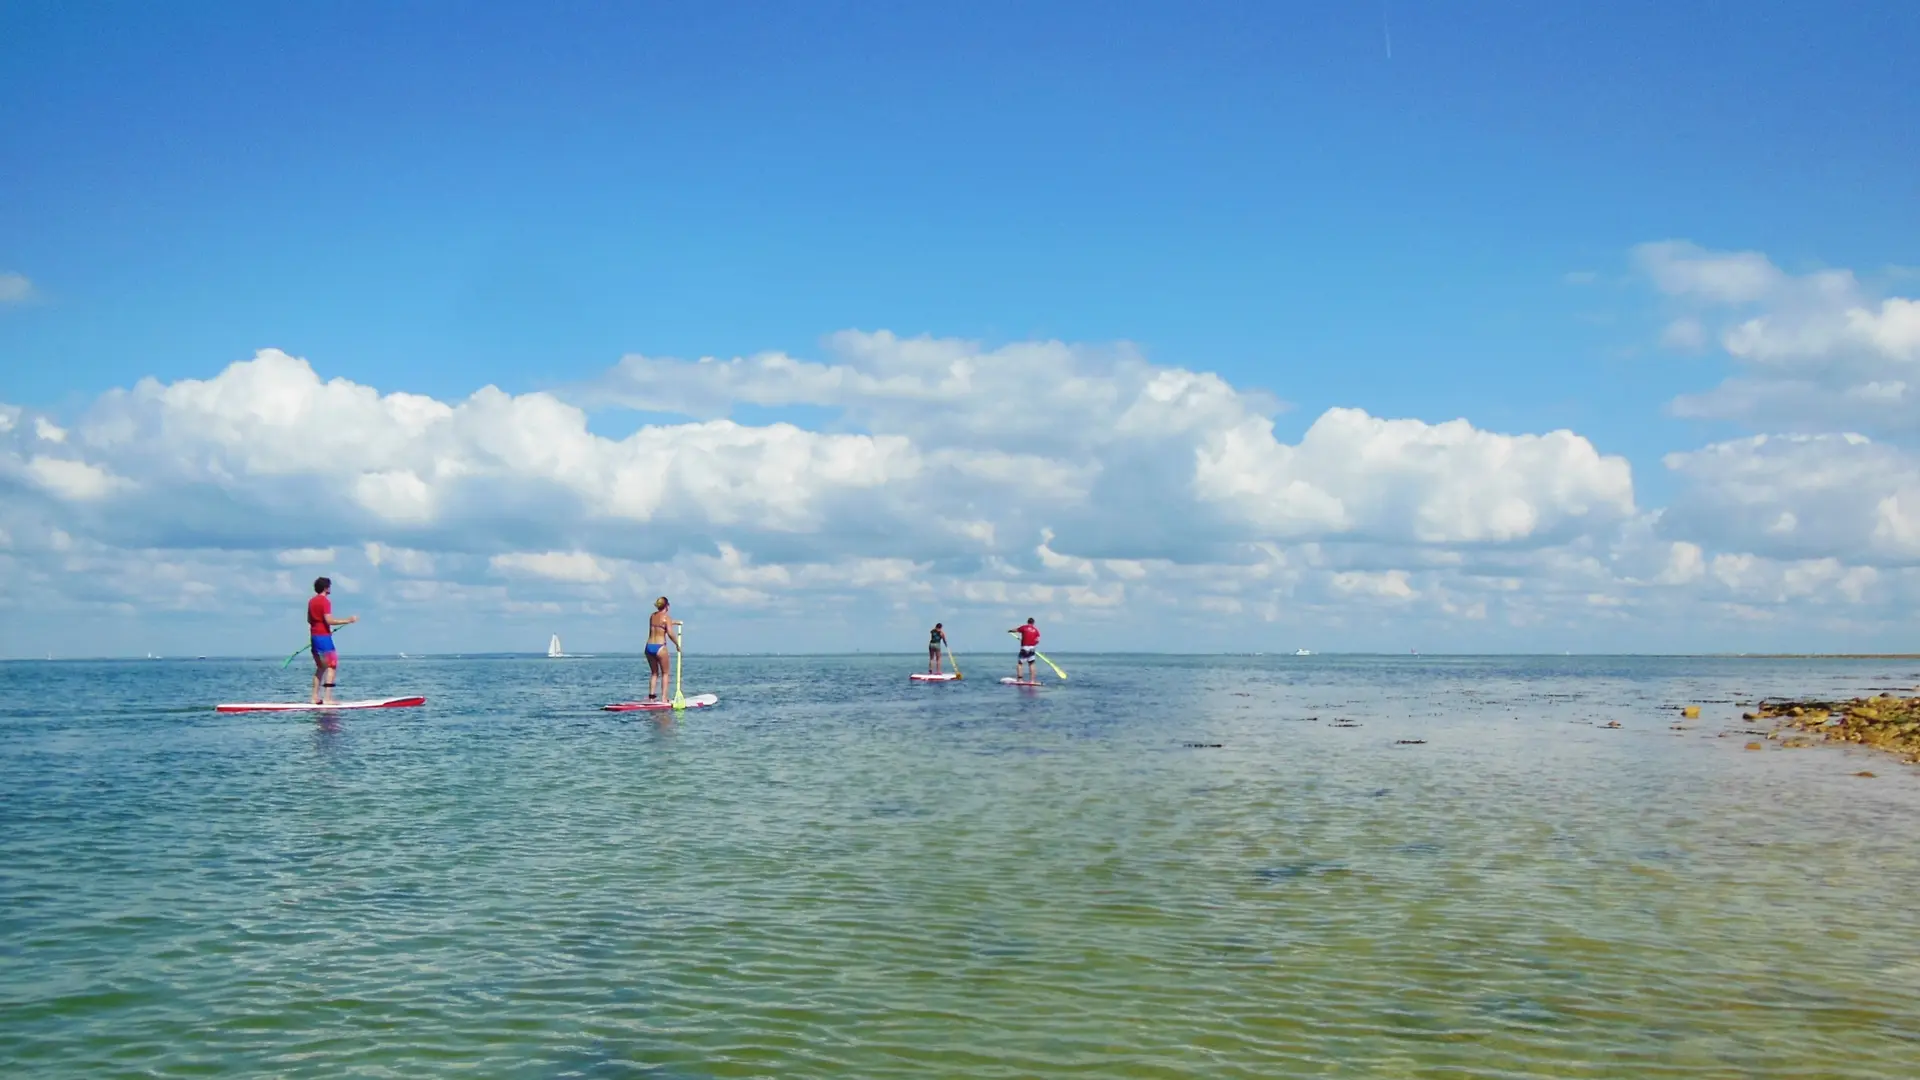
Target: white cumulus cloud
x=1812 y=351
x=77 y=481
x=15 y=288
x=305 y=556
x=921 y=478
x=575 y=566
x=1800 y=496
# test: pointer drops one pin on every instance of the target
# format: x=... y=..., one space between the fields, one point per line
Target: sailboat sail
x=553 y=647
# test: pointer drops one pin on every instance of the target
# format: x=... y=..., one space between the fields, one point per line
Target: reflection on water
x=1295 y=867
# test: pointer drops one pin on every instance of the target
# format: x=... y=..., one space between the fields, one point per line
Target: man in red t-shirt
x=320 y=624
x=1029 y=645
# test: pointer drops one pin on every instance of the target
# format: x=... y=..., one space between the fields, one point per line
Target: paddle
x=308 y=647
x=680 y=669
x=956 y=661
x=1043 y=656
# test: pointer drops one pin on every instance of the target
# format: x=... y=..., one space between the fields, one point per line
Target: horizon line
x=1411 y=654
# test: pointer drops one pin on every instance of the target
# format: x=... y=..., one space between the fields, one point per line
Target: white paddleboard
x=1018 y=682
x=308 y=706
x=921 y=676
x=698 y=701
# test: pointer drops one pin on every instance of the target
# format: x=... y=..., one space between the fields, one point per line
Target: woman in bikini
x=659 y=664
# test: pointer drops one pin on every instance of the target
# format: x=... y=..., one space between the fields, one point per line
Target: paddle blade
x=680 y=670
x=1051 y=664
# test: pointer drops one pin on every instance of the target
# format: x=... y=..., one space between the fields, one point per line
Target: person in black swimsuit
x=934 y=644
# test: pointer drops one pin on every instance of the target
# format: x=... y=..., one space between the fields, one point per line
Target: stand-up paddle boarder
x=320 y=624
x=934 y=644
x=659 y=664
x=1029 y=644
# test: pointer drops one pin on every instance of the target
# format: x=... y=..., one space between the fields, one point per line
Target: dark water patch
x=605 y=1060
x=1516 y=1010
x=1296 y=870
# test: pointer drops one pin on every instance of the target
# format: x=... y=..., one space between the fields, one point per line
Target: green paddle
x=308 y=647
x=1051 y=664
x=1043 y=656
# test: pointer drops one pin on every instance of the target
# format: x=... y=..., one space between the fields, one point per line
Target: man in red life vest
x=1029 y=645
x=320 y=624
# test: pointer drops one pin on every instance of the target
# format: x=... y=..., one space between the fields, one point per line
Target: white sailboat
x=553 y=647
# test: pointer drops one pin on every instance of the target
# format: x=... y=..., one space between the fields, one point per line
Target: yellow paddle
x=956 y=661
x=1043 y=656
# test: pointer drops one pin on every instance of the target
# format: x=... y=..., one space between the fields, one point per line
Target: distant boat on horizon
x=553 y=647
x=1303 y=652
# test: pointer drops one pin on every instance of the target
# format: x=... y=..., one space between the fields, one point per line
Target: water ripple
x=1312 y=867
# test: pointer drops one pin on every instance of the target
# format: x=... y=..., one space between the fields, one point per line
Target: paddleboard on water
x=308 y=706
x=698 y=701
x=921 y=676
x=1019 y=682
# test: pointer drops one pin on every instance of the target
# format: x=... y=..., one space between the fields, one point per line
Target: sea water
x=1164 y=867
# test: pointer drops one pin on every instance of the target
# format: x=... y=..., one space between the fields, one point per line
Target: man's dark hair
x=320 y=584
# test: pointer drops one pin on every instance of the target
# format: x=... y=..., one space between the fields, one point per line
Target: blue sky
x=442 y=197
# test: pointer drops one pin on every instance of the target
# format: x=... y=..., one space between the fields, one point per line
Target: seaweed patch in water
x=1288 y=871
x=1409 y=742
x=1202 y=745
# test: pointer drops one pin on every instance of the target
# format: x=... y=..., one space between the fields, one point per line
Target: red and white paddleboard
x=921 y=676
x=1019 y=682
x=308 y=706
x=698 y=701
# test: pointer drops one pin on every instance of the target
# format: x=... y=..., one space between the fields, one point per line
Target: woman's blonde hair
x=660 y=603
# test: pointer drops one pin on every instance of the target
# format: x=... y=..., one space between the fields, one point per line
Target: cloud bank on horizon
x=1140 y=505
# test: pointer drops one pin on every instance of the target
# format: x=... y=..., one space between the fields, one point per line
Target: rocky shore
x=1884 y=723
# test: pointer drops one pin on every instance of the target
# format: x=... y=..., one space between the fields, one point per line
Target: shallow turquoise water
x=837 y=873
